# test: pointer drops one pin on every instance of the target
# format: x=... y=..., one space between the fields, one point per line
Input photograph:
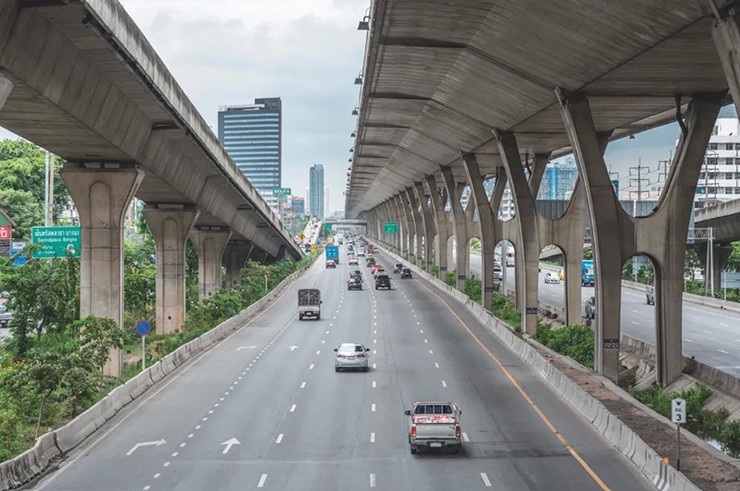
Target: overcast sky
x=226 y=52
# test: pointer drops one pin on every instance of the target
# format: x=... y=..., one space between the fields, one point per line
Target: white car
x=351 y=355
x=352 y=261
x=552 y=278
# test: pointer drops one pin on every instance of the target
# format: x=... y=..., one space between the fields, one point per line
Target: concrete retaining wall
x=33 y=462
x=620 y=435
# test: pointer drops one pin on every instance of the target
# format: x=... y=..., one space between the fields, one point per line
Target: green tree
x=733 y=263
x=23 y=209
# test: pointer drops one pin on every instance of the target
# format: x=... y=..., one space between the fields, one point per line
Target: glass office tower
x=316 y=191
x=252 y=136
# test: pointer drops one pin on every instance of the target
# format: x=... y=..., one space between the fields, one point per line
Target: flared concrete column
x=726 y=35
x=460 y=225
x=6 y=87
x=408 y=221
x=413 y=203
x=210 y=245
x=170 y=225
x=528 y=243
x=441 y=227
x=428 y=224
x=402 y=227
x=102 y=195
x=485 y=215
x=236 y=255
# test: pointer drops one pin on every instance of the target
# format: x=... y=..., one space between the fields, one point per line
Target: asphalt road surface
x=272 y=388
x=711 y=335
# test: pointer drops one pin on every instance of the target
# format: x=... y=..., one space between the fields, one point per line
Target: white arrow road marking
x=229 y=444
x=245 y=347
x=146 y=444
x=293 y=348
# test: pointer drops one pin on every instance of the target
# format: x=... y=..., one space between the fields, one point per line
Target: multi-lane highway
x=711 y=335
x=265 y=408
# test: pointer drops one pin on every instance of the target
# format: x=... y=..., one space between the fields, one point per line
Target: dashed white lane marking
x=374 y=384
x=375 y=352
x=444 y=384
x=331 y=324
x=261 y=483
x=292 y=408
x=375 y=323
x=426 y=341
x=375 y=340
x=175 y=454
x=197 y=427
x=318 y=351
x=327 y=332
x=372 y=480
x=210 y=411
x=706 y=332
x=372 y=408
x=633 y=310
x=431 y=352
x=156 y=476
x=311 y=367
x=166 y=464
x=465 y=437
x=220 y=398
x=723 y=351
x=436 y=365
x=372 y=437
x=303 y=385
x=279 y=438
x=146 y=488
x=723 y=324
x=376 y=366
x=375 y=332
x=486 y=481
x=421 y=331
x=323 y=341
x=635 y=323
x=189 y=436
x=687 y=340
x=418 y=323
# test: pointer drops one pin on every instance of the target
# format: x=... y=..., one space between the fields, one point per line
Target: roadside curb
x=622 y=437
x=34 y=461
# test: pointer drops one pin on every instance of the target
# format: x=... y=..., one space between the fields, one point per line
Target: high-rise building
x=316 y=190
x=298 y=204
x=327 y=203
x=252 y=136
x=719 y=179
x=558 y=180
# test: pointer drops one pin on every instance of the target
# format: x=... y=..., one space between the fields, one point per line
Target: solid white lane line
x=465 y=437
x=486 y=481
x=372 y=437
x=374 y=385
x=303 y=385
x=372 y=480
x=263 y=478
x=292 y=408
x=723 y=351
x=436 y=365
x=311 y=367
x=372 y=408
x=444 y=384
x=279 y=438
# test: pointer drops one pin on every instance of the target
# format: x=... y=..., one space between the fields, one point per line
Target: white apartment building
x=719 y=179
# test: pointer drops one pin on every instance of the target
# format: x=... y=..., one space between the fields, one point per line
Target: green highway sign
x=327 y=227
x=57 y=241
x=281 y=191
x=390 y=227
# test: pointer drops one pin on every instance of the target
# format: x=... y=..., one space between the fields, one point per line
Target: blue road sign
x=143 y=327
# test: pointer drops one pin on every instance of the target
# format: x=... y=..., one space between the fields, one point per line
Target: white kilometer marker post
x=486 y=481
x=263 y=478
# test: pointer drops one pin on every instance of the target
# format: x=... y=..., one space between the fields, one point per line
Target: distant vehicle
x=510 y=262
x=351 y=355
x=379 y=270
x=354 y=284
x=352 y=261
x=309 y=303
x=382 y=281
x=406 y=274
x=361 y=252
x=498 y=273
x=5 y=316
x=330 y=263
x=591 y=308
x=650 y=295
x=356 y=274
x=370 y=263
x=398 y=268
x=552 y=278
x=434 y=425
x=332 y=252
x=587 y=272
x=374 y=268
x=561 y=274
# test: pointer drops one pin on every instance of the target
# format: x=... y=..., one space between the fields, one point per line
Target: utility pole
x=49 y=190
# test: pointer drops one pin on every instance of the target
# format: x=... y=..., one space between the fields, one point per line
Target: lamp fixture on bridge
x=358 y=80
x=364 y=24
x=349 y=160
x=355 y=111
x=353 y=135
x=632 y=137
x=351 y=150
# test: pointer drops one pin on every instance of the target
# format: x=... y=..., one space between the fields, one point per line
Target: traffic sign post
x=143 y=328
x=678 y=416
x=390 y=227
x=327 y=227
x=281 y=191
x=57 y=241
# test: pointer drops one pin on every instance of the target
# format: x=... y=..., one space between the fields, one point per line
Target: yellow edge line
x=529 y=400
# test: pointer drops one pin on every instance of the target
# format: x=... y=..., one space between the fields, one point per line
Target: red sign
x=6 y=232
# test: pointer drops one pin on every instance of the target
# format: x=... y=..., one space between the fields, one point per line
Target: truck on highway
x=434 y=425
x=587 y=272
x=332 y=254
x=309 y=303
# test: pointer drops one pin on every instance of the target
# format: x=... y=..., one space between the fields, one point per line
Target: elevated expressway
x=455 y=95
x=80 y=79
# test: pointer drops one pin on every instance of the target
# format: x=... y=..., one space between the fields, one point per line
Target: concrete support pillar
x=528 y=243
x=661 y=236
x=6 y=87
x=428 y=224
x=440 y=226
x=170 y=225
x=102 y=196
x=408 y=231
x=210 y=245
x=485 y=215
x=720 y=256
x=413 y=203
x=460 y=224
x=726 y=35
x=236 y=255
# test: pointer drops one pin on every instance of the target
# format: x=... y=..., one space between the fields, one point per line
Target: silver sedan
x=351 y=355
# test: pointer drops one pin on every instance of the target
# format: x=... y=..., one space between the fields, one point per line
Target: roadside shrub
x=575 y=342
x=503 y=308
x=472 y=289
x=451 y=278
